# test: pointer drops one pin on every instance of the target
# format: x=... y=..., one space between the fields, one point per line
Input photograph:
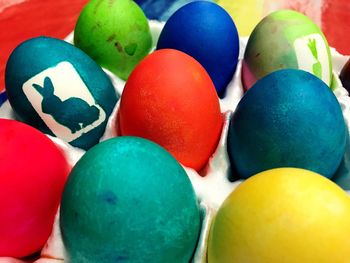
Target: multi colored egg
x=128 y=199
x=205 y=31
x=115 y=34
x=287 y=213
x=58 y=89
x=33 y=172
x=286 y=39
x=170 y=99
x=289 y=118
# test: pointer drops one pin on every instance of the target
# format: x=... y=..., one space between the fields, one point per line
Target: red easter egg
x=170 y=99
x=33 y=172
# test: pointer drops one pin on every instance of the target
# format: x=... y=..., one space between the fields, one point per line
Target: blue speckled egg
x=58 y=89
x=129 y=200
x=289 y=118
x=205 y=31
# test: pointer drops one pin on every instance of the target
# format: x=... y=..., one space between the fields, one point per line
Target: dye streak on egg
x=282 y=215
x=289 y=118
x=129 y=200
x=32 y=176
x=205 y=31
x=115 y=34
x=58 y=89
x=170 y=99
x=286 y=39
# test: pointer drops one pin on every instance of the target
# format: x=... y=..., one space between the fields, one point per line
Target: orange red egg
x=170 y=99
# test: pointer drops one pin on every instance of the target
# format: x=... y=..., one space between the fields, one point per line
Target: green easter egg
x=129 y=200
x=286 y=39
x=114 y=33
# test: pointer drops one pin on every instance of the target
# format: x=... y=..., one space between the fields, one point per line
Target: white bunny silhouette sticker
x=64 y=102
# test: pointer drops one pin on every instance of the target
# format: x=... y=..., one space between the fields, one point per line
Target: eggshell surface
x=115 y=34
x=286 y=214
x=286 y=39
x=205 y=31
x=289 y=118
x=345 y=76
x=128 y=199
x=32 y=175
x=170 y=99
x=58 y=89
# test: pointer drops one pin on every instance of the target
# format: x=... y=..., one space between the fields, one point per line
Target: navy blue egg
x=58 y=89
x=205 y=31
x=289 y=118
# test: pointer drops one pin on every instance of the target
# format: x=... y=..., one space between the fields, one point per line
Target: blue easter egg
x=205 y=31
x=129 y=200
x=58 y=89
x=161 y=9
x=289 y=118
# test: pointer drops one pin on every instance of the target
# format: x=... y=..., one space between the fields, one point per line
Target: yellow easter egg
x=283 y=215
x=245 y=13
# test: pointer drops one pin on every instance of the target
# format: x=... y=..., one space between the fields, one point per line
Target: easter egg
x=128 y=199
x=170 y=99
x=32 y=176
x=282 y=215
x=286 y=39
x=246 y=14
x=115 y=34
x=289 y=118
x=205 y=31
x=161 y=10
x=58 y=89
x=345 y=76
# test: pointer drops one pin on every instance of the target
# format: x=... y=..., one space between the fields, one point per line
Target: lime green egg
x=115 y=34
x=129 y=200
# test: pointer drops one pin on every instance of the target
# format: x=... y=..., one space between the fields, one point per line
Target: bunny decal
x=73 y=113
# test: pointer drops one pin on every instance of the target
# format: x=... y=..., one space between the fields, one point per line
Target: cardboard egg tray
x=213 y=185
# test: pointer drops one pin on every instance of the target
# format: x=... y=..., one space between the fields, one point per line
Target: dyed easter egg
x=245 y=14
x=287 y=213
x=170 y=99
x=115 y=34
x=345 y=76
x=205 y=31
x=32 y=176
x=58 y=89
x=289 y=118
x=128 y=199
x=286 y=39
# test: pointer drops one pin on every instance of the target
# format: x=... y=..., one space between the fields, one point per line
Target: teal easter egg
x=286 y=39
x=59 y=90
x=289 y=118
x=129 y=200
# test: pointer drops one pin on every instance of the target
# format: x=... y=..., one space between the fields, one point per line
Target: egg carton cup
x=213 y=184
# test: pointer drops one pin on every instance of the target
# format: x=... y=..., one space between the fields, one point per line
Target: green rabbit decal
x=73 y=113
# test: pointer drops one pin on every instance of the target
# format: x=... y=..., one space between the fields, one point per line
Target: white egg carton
x=213 y=185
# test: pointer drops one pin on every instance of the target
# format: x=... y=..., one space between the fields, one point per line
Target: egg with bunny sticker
x=58 y=89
